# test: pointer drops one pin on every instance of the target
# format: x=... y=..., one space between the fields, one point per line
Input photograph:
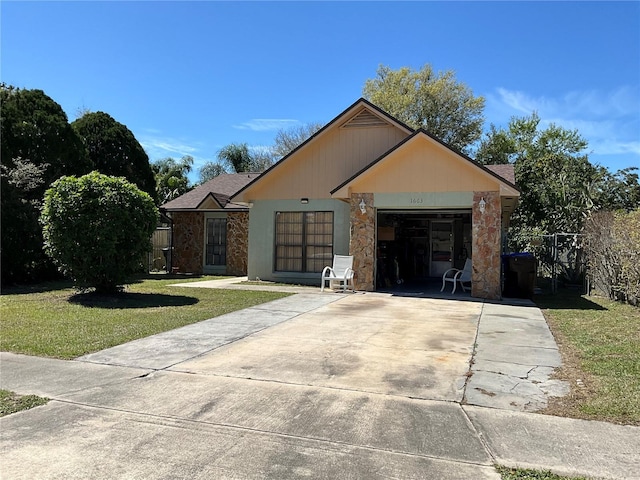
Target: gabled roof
x=361 y=113
x=219 y=190
x=504 y=173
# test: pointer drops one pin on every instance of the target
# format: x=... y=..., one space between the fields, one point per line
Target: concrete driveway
x=321 y=386
x=411 y=347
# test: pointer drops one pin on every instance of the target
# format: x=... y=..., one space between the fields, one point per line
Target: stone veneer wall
x=362 y=241
x=486 y=236
x=237 y=243
x=188 y=241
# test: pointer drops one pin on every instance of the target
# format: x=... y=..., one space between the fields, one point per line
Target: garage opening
x=415 y=247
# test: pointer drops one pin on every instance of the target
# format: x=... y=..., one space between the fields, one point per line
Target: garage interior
x=415 y=247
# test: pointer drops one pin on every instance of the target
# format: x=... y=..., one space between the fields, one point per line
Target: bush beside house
x=96 y=229
x=613 y=249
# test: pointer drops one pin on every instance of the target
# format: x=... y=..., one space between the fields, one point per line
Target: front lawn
x=53 y=320
x=507 y=473
x=600 y=344
x=11 y=402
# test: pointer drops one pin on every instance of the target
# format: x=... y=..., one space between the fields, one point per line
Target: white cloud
x=267 y=124
x=612 y=147
x=621 y=102
x=160 y=147
x=516 y=100
x=608 y=120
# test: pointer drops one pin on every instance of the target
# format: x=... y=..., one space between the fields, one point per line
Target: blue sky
x=191 y=77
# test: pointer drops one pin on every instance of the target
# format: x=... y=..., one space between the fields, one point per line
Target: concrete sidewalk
x=514 y=360
x=242 y=283
x=229 y=399
x=169 y=348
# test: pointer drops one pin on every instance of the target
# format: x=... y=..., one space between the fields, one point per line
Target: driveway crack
x=472 y=360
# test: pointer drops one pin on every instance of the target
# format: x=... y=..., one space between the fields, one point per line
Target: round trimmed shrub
x=97 y=229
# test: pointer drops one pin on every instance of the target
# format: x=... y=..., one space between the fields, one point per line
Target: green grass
x=54 y=320
x=12 y=403
x=507 y=473
x=604 y=338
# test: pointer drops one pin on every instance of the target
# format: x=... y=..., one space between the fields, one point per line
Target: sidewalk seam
x=462 y=403
x=278 y=434
x=479 y=436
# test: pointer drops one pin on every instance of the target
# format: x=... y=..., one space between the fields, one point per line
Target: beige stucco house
x=404 y=204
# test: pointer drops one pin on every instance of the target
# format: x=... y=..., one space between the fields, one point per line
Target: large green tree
x=561 y=191
x=97 y=229
x=172 y=177
x=437 y=102
x=617 y=191
x=36 y=130
x=552 y=171
x=560 y=186
x=115 y=151
x=37 y=146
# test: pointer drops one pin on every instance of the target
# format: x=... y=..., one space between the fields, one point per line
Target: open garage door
x=418 y=246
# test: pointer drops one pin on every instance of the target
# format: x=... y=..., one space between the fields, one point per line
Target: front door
x=216 y=249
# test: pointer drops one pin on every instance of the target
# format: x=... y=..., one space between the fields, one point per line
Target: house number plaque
x=416 y=201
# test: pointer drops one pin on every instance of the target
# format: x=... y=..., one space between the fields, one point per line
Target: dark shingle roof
x=505 y=171
x=221 y=188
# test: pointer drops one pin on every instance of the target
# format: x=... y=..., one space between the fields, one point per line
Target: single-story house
x=209 y=232
x=405 y=205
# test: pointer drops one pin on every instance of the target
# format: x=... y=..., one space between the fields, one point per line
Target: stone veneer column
x=486 y=246
x=362 y=241
x=237 y=243
x=188 y=240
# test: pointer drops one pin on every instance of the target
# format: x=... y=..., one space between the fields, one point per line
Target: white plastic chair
x=455 y=276
x=341 y=272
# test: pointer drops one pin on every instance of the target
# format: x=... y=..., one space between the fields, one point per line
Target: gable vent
x=365 y=119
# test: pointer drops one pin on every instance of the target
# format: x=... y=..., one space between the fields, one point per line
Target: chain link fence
x=561 y=260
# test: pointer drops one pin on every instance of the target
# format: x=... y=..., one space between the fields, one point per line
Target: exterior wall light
x=363 y=206
x=304 y=201
x=482 y=205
